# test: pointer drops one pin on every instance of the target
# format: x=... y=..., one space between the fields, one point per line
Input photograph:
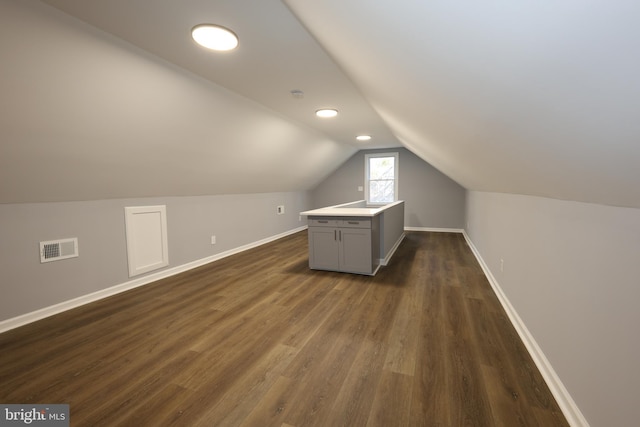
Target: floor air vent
x=55 y=250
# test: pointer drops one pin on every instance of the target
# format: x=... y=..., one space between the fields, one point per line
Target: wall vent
x=54 y=250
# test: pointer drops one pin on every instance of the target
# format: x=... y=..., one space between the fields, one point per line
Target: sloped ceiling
x=93 y=111
x=537 y=98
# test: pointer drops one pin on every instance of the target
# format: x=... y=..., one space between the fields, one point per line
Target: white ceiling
x=276 y=55
x=538 y=98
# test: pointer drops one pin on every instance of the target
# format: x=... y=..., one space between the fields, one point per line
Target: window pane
x=381 y=174
x=381 y=168
x=381 y=191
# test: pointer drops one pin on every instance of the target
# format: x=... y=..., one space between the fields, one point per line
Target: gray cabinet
x=341 y=244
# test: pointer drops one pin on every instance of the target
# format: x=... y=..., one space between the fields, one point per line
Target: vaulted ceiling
x=111 y=98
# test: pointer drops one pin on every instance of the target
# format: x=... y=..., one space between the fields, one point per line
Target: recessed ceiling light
x=214 y=37
x=327 y=113
x=363 y=137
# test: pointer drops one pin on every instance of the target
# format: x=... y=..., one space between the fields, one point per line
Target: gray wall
x=392 y=228
x=572 y=273
x=431 y=198
x=27 y=285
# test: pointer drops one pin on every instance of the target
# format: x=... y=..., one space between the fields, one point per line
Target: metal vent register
x=54 y=250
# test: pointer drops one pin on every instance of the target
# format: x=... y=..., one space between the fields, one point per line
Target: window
x=381 y=178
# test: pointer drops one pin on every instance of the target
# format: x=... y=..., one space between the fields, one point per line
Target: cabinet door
x=355 y=250
x=323 y=248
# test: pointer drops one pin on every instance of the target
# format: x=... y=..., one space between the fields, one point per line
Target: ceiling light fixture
x=363 y=137
x=214 y=37
x=326 y=113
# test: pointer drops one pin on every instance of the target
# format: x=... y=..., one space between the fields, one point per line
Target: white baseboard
x=42 y=313
x=568 y=406
x=386 y=259
x=436 y=230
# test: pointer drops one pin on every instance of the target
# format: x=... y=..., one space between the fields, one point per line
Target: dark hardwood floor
x=258 y=339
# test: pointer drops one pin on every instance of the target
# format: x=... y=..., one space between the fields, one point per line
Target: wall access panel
x=147 y=243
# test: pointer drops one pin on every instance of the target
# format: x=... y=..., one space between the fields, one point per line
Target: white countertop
x=338 y=210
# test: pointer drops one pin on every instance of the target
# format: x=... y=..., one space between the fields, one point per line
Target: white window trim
x=396 y=168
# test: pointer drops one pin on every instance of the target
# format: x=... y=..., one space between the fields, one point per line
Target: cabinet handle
x=340 y=235
x=335 y=234
x=323 y=222
x=353 y=222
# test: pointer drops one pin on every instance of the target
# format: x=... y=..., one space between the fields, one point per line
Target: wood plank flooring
x=258 y=339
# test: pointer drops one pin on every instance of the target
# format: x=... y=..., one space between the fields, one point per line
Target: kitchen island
x=353 y=237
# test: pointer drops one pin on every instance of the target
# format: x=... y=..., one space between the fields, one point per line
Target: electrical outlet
x=213 y=240
x=280 y=210
x=360 y=188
